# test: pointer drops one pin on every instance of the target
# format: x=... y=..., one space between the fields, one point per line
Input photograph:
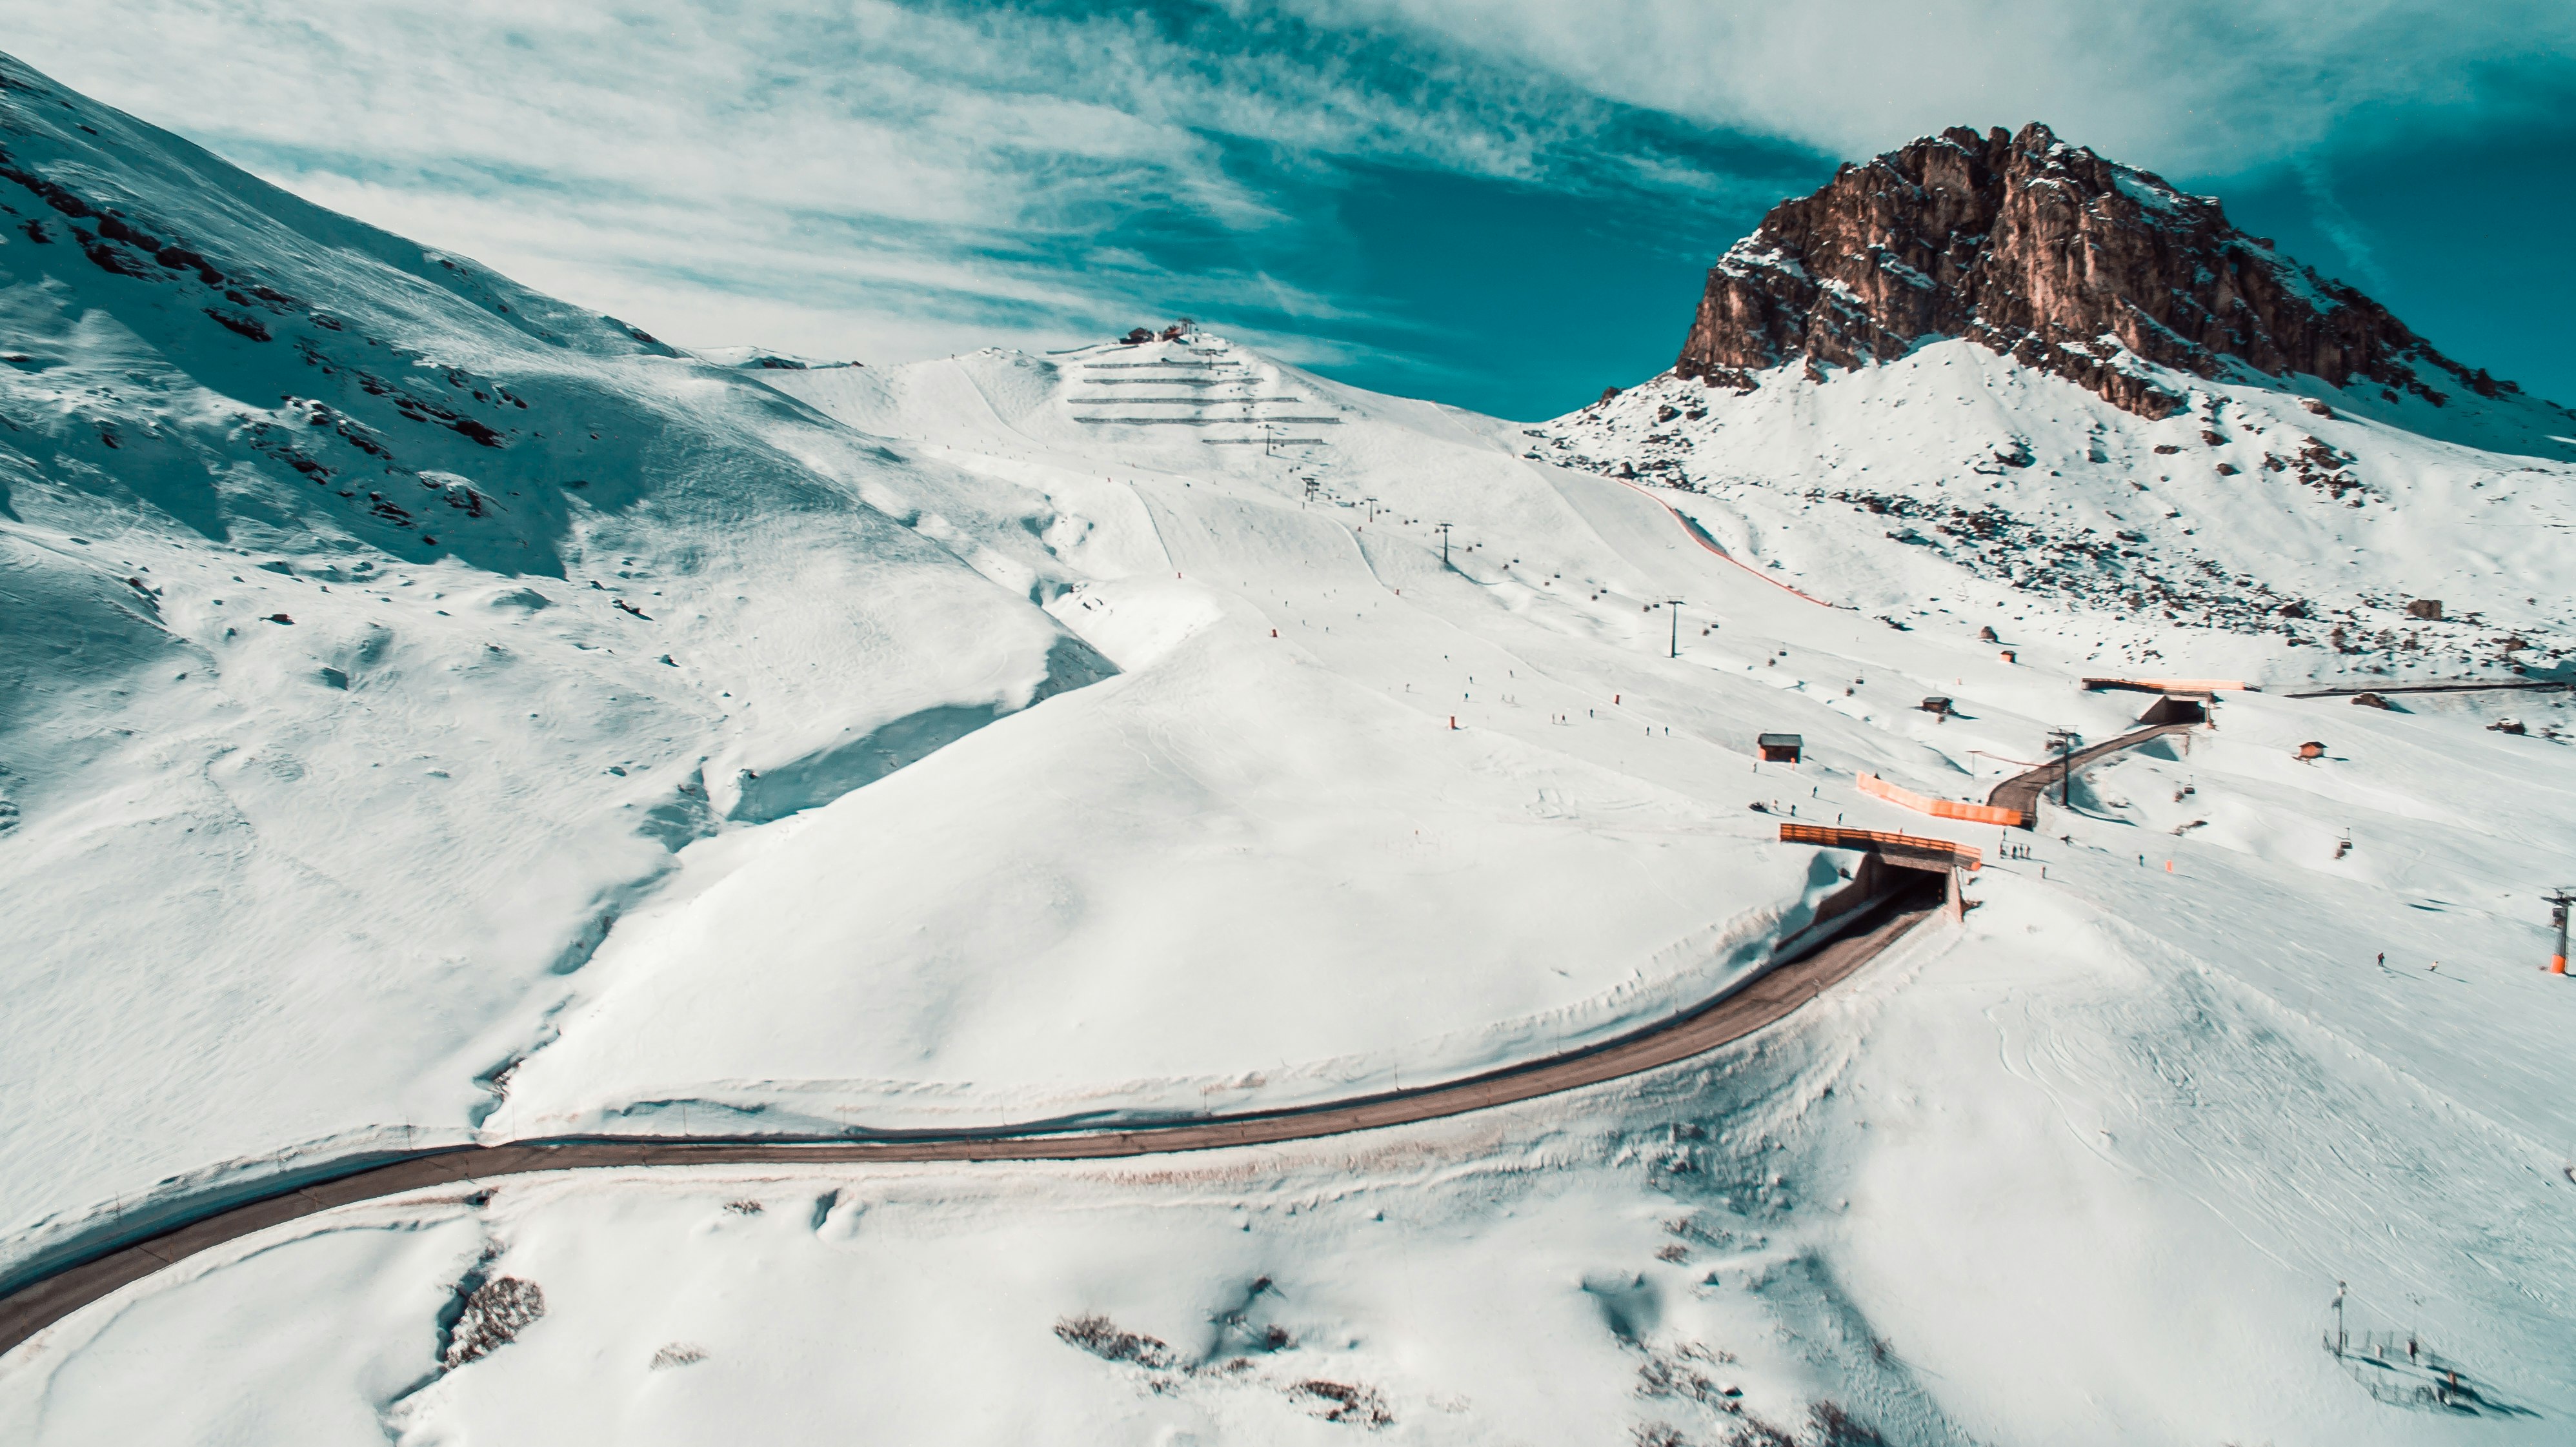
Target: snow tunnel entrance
x=2177 y=708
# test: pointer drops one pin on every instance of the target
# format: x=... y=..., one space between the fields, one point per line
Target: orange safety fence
x=2171 y=685
x=1834 y=836
x=1876 y=787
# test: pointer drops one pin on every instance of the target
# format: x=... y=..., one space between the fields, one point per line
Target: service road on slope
x=2023 y=790
x=1809 y=962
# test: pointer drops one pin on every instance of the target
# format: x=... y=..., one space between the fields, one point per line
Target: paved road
x=2022 y=791
x=2546 y=685
x=1731 y=1015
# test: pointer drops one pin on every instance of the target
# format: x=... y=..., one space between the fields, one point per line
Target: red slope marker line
x=1692 y=532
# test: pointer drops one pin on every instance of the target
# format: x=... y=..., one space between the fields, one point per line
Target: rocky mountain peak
x=2054 y=256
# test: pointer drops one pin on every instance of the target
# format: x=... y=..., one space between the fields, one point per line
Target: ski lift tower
x=2064 y=742
x=2558 y=903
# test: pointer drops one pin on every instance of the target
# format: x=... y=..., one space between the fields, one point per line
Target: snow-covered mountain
x=2244 y=537
x=2082 y=268
x=2248 y=458
x=376 y=630
x=1157 y=728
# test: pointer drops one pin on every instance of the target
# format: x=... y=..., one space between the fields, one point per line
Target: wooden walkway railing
x=1899 y=848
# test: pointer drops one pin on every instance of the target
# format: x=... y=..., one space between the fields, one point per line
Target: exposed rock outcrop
x=2051 y=255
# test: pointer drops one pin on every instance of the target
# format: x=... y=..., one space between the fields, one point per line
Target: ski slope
x=359 y=677
x=2276 y=533
x=1251 y=870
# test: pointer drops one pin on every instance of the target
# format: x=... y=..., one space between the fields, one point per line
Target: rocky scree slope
x=1955 y=474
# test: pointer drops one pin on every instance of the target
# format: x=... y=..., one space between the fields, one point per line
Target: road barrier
x=1878 y=788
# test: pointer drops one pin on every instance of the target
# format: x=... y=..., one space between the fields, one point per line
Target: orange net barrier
x=1834 y=836
x=1876 y=787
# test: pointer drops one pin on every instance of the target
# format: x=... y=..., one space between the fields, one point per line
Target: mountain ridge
x=377 y=630
x=2059 y=258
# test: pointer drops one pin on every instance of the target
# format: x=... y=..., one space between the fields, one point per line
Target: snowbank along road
x=1815 y=958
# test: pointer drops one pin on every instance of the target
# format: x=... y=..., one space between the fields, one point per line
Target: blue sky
x=1503 y=204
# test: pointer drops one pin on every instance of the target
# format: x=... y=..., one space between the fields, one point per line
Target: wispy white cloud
x=838 y=173
x=834 y=177
x=2209 y=86
x=867 y=177
x=2339 y=226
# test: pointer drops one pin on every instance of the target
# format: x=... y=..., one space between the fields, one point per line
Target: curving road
x=2475 y=685
x=1805 y=966
x=2022 y=791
